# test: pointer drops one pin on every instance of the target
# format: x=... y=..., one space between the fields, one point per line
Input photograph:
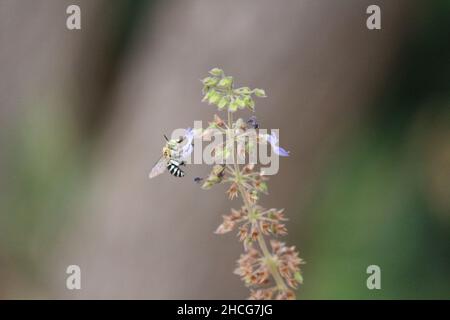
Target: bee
x=173 y=155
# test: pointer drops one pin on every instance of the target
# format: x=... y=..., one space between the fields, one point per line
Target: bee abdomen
x=174 y=169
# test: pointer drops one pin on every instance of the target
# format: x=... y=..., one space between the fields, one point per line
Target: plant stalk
x=281 y=286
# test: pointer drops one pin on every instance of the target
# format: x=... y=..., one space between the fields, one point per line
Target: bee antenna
x=165 y=137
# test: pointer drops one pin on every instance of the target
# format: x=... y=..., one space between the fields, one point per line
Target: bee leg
x=182 y=163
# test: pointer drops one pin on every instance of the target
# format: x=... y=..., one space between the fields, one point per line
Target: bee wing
x=158 y=168
x=187 y=148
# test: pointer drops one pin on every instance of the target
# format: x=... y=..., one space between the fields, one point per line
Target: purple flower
x=273 y=140
x=189 y=134
x=252 y=122
x=187 y=148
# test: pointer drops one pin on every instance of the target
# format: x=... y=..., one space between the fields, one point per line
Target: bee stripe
x=174 y=170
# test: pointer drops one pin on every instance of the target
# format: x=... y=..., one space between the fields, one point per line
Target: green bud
x=254 y=195
x=207 y=185
x=298 y=277
x=263 y=187
x=226 y=82
x=260 y=93
x=249 y=103
x=208 y=93
x=240 y=103
x=243 y=90
x=216 y=72
x=210 y=81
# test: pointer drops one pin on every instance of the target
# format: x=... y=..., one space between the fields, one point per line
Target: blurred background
x=364 y=113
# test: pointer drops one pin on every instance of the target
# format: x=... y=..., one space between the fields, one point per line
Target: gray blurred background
x=364 y=113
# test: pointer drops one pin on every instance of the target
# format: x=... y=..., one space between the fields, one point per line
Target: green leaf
x=233 y=106
x=240 y=103
x=216 y=72
x=260 y=93
x=210 y=81
x=209 y=94
x=223 y=103
x=214 y=98
x=249 y=103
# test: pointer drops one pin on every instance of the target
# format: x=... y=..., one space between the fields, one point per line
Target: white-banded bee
x=174 y=168
x=173 y=154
